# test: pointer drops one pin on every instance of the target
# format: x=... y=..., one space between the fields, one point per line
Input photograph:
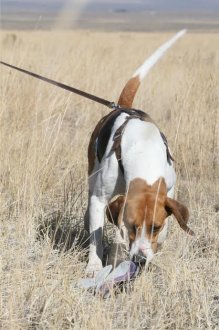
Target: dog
x=131 y=178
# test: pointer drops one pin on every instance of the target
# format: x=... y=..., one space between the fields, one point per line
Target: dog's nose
x=143 y=249
x=140 y=259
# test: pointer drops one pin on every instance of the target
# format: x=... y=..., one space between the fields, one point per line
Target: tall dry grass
x=44 y=133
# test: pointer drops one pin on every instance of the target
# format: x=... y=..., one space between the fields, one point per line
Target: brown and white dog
x=128 y=156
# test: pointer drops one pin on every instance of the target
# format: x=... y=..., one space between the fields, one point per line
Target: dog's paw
x=93 y=268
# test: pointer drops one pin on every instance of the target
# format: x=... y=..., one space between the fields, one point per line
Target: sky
x=85 y=13
x=159 y=5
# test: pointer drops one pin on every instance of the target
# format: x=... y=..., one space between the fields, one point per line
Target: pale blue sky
x=168 y=14
x=126 y=4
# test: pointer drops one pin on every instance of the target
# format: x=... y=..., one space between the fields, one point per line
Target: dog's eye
x=155 y=228
x=137 y=228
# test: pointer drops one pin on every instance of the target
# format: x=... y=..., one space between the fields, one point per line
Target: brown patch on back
x=128 y=93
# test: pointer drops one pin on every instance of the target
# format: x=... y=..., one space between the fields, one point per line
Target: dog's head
x=144 y=211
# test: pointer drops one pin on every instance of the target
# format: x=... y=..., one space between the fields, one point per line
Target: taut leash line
x=94 y=98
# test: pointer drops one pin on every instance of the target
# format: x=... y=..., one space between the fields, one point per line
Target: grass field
x=44 y=133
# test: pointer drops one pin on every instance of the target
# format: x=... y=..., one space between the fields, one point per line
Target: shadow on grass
x=64 y=231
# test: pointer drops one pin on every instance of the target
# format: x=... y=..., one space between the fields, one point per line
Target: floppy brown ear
x=113 y=210
x=180 y=212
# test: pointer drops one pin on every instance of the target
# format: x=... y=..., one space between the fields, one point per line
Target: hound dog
x=129 y=158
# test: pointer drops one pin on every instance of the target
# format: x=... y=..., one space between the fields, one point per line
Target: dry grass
x=44 y=134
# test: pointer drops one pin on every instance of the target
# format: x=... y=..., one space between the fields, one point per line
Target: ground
x=43 y=170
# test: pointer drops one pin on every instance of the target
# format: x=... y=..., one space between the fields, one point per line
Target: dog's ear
x=113 y=210
x=180 y=212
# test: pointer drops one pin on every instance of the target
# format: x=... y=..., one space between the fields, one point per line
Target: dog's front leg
x=96 y=222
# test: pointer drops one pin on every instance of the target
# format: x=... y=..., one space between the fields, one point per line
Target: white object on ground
x=98 y=280
x=105 y=281
x=124 y=272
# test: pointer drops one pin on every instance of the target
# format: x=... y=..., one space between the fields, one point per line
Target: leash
x=111 y=105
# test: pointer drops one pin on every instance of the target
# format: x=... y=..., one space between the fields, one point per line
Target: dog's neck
x=148 y=171
x=143 y=152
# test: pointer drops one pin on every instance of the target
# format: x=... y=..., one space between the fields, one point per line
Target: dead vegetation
x=44 y=134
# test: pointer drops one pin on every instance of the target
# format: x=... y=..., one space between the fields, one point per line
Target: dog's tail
x=128 y=93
